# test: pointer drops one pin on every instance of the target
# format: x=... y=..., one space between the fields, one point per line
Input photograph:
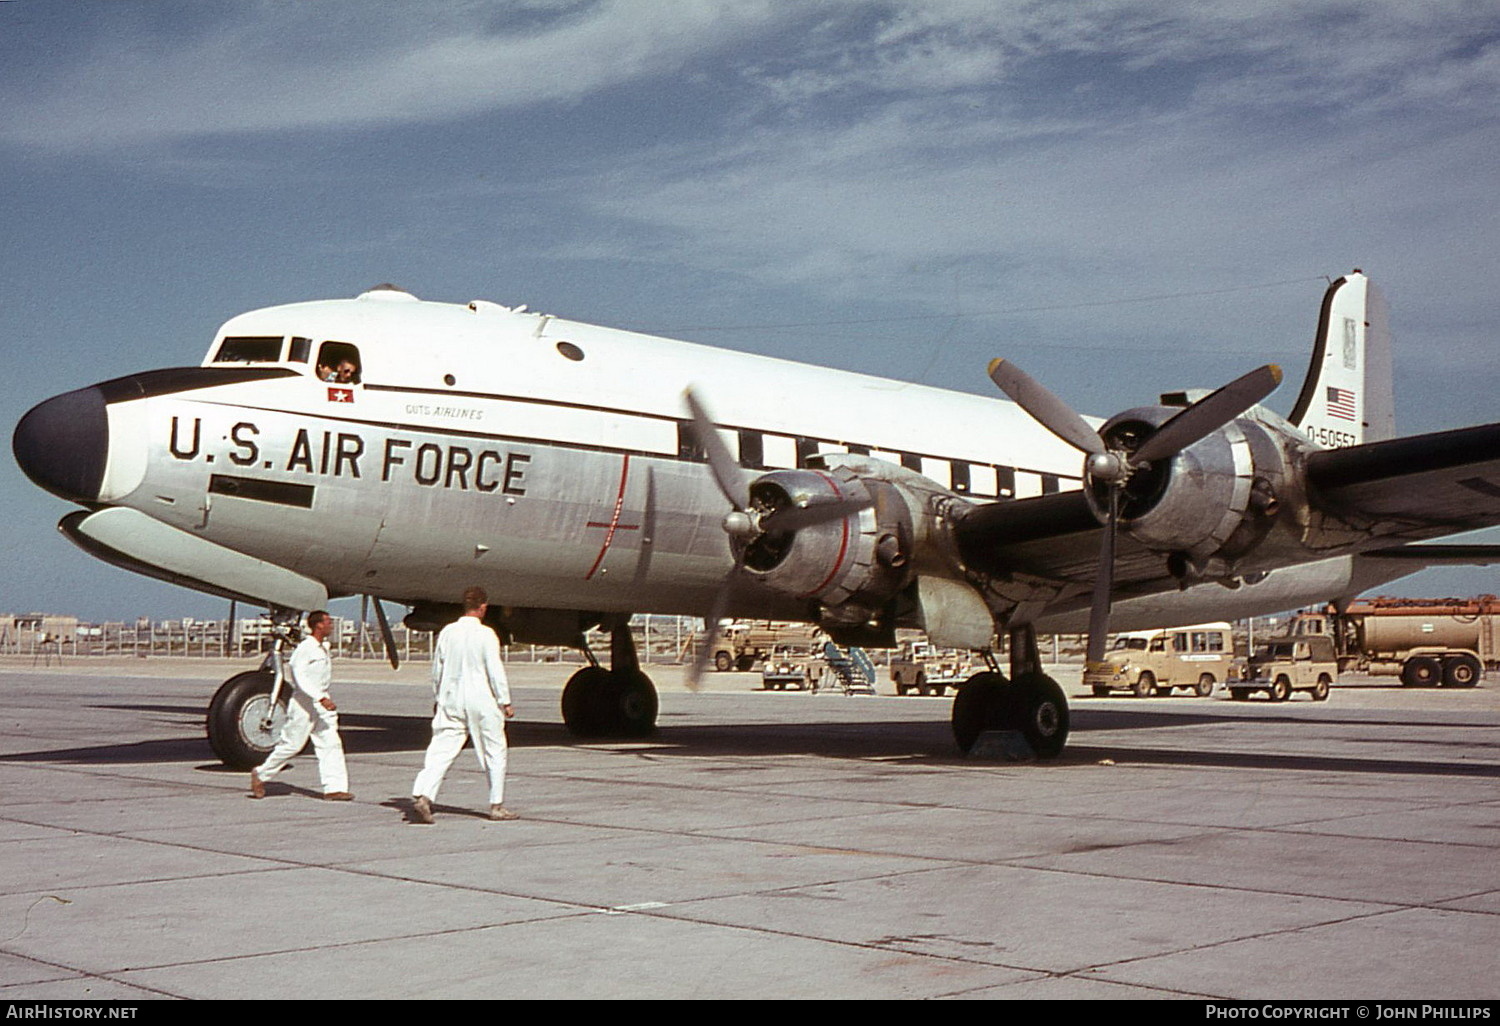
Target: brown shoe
x=257 y=786
x=421 y=809
x=501 y=812
x=338 y=796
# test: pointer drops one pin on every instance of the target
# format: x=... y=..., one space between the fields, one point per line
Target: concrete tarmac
x=763 y=845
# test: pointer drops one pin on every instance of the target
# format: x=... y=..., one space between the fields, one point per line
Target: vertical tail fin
x=1349 y=394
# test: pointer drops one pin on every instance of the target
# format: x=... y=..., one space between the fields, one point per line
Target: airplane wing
x=1365 y=498
x=1412 y=488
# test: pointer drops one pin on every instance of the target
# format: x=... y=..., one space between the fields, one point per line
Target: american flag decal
x=341 y=395
x=1340 y=403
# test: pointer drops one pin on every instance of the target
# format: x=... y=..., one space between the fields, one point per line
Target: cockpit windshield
x=249 y=349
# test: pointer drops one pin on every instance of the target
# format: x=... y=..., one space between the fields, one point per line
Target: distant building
x=27 y=630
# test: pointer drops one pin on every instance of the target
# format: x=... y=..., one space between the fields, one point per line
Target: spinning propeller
x=1111 y=466
x=748 y=521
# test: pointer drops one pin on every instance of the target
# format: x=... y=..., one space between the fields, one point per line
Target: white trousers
x=306 y=718
x=486 y=726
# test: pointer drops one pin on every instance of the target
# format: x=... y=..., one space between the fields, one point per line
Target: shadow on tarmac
x=913 y=743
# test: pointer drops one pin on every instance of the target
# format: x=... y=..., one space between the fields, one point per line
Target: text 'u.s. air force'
x=346 y=454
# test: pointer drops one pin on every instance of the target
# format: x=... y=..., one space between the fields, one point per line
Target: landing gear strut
x=246 y=713
x=1030 y=702
x=618 y=702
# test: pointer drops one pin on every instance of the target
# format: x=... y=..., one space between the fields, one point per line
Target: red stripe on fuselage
x=614 y=520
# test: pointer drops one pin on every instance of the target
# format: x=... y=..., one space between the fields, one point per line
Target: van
x=1155 y=662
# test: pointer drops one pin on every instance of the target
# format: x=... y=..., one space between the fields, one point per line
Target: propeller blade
x=795 y=518
x=1104 y=584
x=1209 y=414
x=711 y=627
x=726 y=470
x=1045 y=408
x=385 y=633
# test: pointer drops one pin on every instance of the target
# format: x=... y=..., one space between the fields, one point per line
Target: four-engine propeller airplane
x=402 y=449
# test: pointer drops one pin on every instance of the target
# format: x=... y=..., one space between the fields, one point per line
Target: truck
x=789 y=668
x=1426 y=642
x=918 y=667
x=742 y=645
x=1281 y=665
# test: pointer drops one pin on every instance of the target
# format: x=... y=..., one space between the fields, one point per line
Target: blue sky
x=1125 y=197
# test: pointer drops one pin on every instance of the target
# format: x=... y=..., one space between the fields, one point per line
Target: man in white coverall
x=310 y=713
x=473 y=701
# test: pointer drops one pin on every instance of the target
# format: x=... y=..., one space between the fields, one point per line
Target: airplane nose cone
x=62 y=444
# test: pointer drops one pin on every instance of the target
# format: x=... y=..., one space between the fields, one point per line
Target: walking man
x=473 y=701
x=310 y=713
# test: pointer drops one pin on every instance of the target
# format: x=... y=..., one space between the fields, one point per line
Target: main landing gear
x=618 y=702
x=1030 y=702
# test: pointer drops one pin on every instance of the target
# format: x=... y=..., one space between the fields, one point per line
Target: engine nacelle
x=855 y=563
x=1206 y=506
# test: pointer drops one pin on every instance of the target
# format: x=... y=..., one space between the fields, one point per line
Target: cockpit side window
x=338 y=362
x=249 y=349
x=300 y=351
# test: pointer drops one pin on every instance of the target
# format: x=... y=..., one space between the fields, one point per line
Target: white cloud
x=280 y=67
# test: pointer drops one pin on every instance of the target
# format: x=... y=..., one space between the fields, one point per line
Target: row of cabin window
x=758 y=450
x=764 y=451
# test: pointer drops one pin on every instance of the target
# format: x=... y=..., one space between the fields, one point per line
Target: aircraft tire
x=1039 y=710
x=979 y=706
x=581 y=710
x=599 y=703
x=631 y=705
x=235 y=715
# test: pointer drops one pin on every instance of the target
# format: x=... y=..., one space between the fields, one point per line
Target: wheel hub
x=1047 y=719
x=260 y=725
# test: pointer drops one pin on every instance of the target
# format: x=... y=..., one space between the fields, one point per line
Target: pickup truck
x=920 y=668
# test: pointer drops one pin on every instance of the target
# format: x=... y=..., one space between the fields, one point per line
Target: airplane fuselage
x=550 y=461
x=545 y=459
